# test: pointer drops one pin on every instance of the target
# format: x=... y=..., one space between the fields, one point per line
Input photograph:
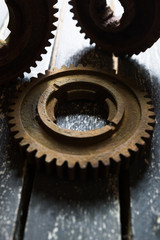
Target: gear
x=135 y=31
x=31 y=24
x=130 y=121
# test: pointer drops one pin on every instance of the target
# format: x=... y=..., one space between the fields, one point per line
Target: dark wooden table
x=127 y=206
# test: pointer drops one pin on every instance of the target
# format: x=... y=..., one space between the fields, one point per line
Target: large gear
x=128 y=130
x=135 y=31
x=31 y=26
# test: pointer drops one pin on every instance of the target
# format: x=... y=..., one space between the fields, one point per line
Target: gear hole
x=4 y=21
x=81 y=115
x=116 y=7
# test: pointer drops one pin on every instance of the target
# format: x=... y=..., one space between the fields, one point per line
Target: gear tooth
x=94 y=164
x=85 y=37
x=134 y=148
x=55 y=70
x=32 y=79
x=150 y=128
x=141 y=141
x=18 y=136
x=30 y=149
x=40 y=76
x=39 y=154
x=70 y=2
x=48 y=73
x=49 y=158
x=146 y=135
x=83 y=165
x=71 y=10
x=152 y=116
x=11 y=121
x=14 y=129
x=77 y=24
x=127 y=153
x=72 y=66
x=55 y=10
x=60 y=162
x=80 y=66
x=150 y=108
x=48 y=44
x=90 y=41
x=64 y=68
x=55 y=19
x=23 y=143
x=71 y=164
x=117 y=157
x=151 y=121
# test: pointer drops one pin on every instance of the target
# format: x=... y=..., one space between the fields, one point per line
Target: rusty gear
x=135 y=31
x=31 y=24
x=129 y=126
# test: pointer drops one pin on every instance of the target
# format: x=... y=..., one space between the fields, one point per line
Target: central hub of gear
x=78 y=89
x=130 y=122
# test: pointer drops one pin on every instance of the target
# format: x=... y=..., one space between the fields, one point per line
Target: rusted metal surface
x=135 y=31
x=31 y=24
x=130 y=121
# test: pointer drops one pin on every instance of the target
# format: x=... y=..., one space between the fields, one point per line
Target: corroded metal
x=130 y=121
x=31 y=24
x=135 y=31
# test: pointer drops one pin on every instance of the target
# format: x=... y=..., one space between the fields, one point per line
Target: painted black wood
x=74 y=210
x=10 y=175
x=145 y=176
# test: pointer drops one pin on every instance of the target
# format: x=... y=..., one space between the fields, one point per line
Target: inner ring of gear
x=87 y=90
x=31 y=29
x=129 y=124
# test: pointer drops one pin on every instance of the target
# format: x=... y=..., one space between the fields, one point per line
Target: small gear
x=135 y=31
x=31 y=26
x=130 y=122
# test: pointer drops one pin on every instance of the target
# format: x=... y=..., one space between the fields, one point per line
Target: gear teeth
x=48 y=35
x=77 y=9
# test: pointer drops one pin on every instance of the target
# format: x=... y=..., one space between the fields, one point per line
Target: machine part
x=31 y=26
x=130 y=121
x=135 y=31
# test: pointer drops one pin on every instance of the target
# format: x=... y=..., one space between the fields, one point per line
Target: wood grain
x=74 y=210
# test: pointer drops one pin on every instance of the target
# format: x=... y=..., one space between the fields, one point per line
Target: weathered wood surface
x=15 y=179
x=145 y=179
x=64 y=210
x=74 y=210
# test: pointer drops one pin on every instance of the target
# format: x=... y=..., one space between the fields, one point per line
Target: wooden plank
x=74 y=210
x=145 y=178
x=15 y=179
x=10 y=175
